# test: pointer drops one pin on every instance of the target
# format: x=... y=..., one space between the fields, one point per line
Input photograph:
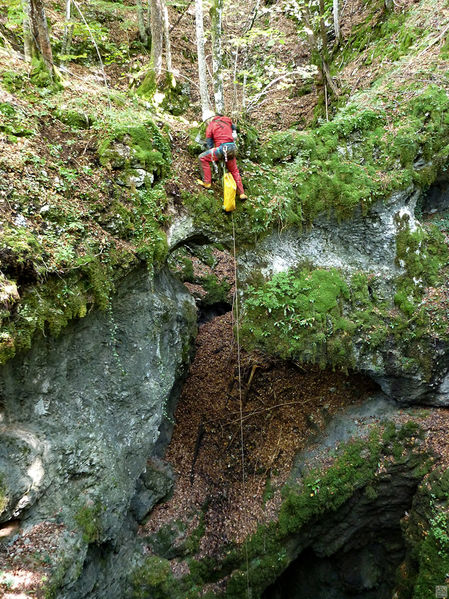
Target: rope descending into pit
x=237 y=335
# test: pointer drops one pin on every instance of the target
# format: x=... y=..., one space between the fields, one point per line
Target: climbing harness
x=239 y=370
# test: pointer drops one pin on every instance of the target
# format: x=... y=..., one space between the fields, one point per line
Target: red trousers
x=231 y=164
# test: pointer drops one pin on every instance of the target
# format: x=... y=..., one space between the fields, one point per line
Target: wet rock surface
x=80 y=416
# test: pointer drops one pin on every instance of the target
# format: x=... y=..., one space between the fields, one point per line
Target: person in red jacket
x=220 y=141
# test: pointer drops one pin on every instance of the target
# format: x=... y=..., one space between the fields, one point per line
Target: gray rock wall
x=80 y=414
x=365 y=243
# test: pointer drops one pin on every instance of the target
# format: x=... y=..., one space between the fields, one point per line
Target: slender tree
x=157 y=37
x=166 y=22
x=40 y=35
x=336 y=15
x=216 y=14
x=143 y=34
x=68 y=29
x=202 y=67
x=316 y=29
x=159 y=34
x=28 y=44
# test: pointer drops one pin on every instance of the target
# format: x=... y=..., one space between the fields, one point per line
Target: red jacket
x=219 y=131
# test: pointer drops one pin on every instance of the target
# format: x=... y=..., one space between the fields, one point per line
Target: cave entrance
x=356 y=552
x=367 y=573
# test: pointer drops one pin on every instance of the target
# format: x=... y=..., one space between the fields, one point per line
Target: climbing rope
x=237 y=335
x=239 y=366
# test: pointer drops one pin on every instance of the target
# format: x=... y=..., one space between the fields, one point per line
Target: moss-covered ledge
x=73 y=229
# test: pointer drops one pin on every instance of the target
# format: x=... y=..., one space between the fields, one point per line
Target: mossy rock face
x=376 y=268
x=141 y=146
x=426 y=532
x=74 y=118
x=247 y=140
x=197 y=139
x=176 y=96
x=167 y=93
x=126 y=361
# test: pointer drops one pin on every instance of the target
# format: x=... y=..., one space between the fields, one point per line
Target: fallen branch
x=251 y=105
x=279 y=405
x=199 y=439
x=182 y=14
x=435 y=41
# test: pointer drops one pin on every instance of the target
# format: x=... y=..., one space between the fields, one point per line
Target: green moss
x=380 y=34
x=299 y=314
x=148 y=87
x=192 y=543
x=176 y=98
x=426 y=533
x=153 y=579
x=172 y=96
x=39 y=73
x=422 y=253
x=13 y=81
x=14 y=122
x=216 y=290
x=315 y=316
x=349 y=163
x=50 y=306
x=74 y=118
x=149 y=148
x=88 y=518
x=3 y=494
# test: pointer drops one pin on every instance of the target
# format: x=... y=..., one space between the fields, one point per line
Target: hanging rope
x=239 y=366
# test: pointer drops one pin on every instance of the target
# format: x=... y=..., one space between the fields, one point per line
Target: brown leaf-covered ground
x=26 y=558
x=275 y=410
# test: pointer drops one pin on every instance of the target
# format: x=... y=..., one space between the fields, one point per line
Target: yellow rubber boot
x=203 y=184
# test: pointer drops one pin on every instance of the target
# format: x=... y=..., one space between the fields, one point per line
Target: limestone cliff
x=82 y=416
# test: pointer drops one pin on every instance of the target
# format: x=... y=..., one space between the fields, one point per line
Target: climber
x=220 y=141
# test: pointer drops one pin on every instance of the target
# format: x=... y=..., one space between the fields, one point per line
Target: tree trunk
x=167 y=38
x=148 y=19
x=157 y=32
x=29 y=48
x=235 y=101
x=216 y=13
x=336 y=15
x=39 y=30
x=331 y=83
x=68 y=29
x=141 y=23
x=323 y=34
x=314 y=47
x=202 y=67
